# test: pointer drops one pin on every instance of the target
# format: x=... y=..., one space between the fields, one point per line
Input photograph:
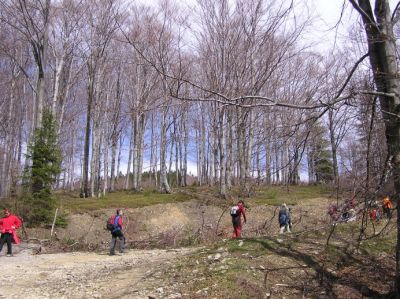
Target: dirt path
x=88 y=275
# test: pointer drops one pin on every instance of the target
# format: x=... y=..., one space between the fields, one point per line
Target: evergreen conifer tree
x=45 y=157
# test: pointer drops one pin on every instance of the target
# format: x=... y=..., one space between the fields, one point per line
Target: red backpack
x=112 y=225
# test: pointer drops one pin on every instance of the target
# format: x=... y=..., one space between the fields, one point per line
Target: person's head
x=284 y=206
x=119 y=212
x=7 y=212
x=241 y=202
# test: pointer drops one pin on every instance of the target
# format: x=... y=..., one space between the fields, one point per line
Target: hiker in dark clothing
x=284 y=219
x=236 y=213
x=117 y=233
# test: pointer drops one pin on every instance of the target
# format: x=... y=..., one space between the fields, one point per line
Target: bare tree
x=103 y=18
x=31 y=19
x=378 y=24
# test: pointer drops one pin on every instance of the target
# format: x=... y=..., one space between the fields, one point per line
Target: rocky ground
x=87 y=274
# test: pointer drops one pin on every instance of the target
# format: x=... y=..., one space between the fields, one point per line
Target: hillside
x=182 y=249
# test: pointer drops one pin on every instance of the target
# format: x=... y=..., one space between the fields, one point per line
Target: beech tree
x=31 y=19
x=102 y=18
x=379 y=29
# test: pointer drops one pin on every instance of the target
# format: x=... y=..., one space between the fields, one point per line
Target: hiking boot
x=9 y=254
x=111 y=253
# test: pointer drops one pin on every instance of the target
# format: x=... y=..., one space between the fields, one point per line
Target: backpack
x=283 y=218
x=112 y=226
x=235 y=211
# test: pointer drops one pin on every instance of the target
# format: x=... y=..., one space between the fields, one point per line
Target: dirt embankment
x=134 y=273
x=177 y=224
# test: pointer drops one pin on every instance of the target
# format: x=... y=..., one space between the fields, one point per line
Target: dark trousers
x=6 y=237
x=117 y=234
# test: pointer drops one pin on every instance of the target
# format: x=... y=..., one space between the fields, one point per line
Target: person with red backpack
x=8 y=226
x=236 y=212
x=116 y=232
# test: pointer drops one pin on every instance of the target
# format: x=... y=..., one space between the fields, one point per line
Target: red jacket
x=9 y=224
x=119 y=220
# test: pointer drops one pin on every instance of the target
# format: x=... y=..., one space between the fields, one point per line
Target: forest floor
x=184 y=250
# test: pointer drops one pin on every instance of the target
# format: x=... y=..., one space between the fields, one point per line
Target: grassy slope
x=295 y=265
x=71 y=203
x=292 y=195
x=282 y=265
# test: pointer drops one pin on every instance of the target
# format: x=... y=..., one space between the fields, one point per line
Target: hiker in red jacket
x=236 y=213
x=8 y=226
x=116 y=232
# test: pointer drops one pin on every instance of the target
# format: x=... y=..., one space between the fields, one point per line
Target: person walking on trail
x=8 y=226
x=387 y=206
x=236 y=212
x=284 y=219
x=116 y=232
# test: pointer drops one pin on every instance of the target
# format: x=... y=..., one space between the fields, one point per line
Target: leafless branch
x=391 y=113
x=364 y=14
x=361 y=59
x=395 y=15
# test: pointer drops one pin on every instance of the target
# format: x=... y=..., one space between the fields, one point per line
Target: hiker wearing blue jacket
x=116 y=232
x=284 y=219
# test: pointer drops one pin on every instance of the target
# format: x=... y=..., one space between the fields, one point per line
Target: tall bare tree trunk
x=121 y=142
x=72 y=164
x=135 y=152
x=229 y=149
x=130 y=155
x=222 y=151
x=8 y=151
x=249 y=152
x=164 y=185
x=115 y=132
x=142 y=127
x=85 y=170
x=383 y=58
x=185 y=150
x=176 y=154
x=57 y=83
x=333 y=147
x=40 y=55
x=153 y=174
x=105 y=147
x=97 y=135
